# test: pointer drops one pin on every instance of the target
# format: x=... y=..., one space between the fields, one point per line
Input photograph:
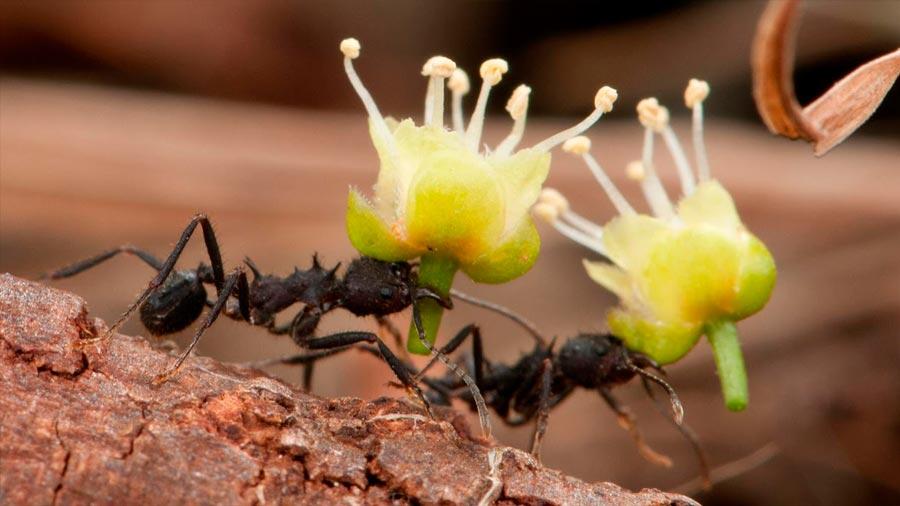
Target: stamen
x=603 y=103
x=517 y=106
x=694 y=95
x=563 y=210
x=685 y=173
x=491 y=73
x=656 y=117
x=350 y=47
x=581 y=145
x=437 y=68
x=550 y=214
x=552 y=206
x=653 y=189
x=459 y=85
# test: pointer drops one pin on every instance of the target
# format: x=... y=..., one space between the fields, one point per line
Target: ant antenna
x=483 y=415
x=677 y=407
x=688 y=433
x=505 y=311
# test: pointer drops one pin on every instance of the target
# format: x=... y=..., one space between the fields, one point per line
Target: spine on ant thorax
x=315 y=286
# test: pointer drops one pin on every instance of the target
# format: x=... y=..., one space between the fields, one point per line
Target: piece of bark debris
x=84 y=426
x=838 y=112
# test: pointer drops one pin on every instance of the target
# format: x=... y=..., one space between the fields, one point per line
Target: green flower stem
x=437 y=273
x=723 y=337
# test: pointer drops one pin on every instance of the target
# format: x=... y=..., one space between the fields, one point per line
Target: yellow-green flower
x=685 y=271
x=443 y=197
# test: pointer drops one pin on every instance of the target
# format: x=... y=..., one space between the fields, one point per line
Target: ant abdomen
x=174 y=305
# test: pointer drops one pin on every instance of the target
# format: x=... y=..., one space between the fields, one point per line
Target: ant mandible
x=175 y=299
x=541 y=379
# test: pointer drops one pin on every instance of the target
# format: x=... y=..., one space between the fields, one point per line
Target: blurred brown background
x=120 y=119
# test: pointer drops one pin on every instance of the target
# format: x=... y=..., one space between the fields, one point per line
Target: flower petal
x=521 y=175
x=629 y=240
x=612 y=278
x=455 y=205
x=710 y=204
x=371 y=236
x=513 y=258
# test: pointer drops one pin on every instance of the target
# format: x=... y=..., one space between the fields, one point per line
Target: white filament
x=436 y=83
x=591 y=243
x=699 y=147
x=555 y=140
x=579 y=221
x=473 y=132
x=653 y=189
x=685 y=174
x=615 y=196
x=381 y=128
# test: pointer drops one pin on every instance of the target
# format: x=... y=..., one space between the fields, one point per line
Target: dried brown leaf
x=773 y=67
x=849 y=103
x=838 y=112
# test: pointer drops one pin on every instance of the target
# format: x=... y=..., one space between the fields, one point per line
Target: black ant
x=175 y=299
x=540 y=380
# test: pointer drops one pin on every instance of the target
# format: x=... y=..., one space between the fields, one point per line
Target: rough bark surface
x=84 y=425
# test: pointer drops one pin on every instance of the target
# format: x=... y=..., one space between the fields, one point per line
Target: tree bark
x=83 y=425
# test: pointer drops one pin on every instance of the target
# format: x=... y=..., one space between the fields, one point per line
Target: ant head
x=374 y=287
x=595 y=360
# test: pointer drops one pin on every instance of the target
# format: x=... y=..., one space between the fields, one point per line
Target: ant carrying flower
x=683 y=272
x=175 y=298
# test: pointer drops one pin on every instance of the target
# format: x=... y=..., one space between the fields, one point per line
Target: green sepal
x=370 y=235
x=511 y=259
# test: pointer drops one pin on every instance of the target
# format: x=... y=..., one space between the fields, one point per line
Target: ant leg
x=628 y=422
x=483 y=415
x=215 y=257
x=344 y=339
x=540 y=427
x=87 y=263
x=299 y=358
x=477 y=352
x=302 y=327
x=685 y=431
x=386 y=324
x=237 y=277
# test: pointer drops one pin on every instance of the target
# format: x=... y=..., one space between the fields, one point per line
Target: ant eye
x=386 y=293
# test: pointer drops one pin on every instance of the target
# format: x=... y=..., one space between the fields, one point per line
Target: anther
x=635 y=170
x=459 y=82
x=350 y=47
x=652 y=115
x=492 y=70
x=439 y=66
x=546 y=212
x=577 y=145
x=553 y=197
x=696 y=92
x=517 y=106
x=605 y=98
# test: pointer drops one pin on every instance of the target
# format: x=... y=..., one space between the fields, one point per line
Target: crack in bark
x=62 y=475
